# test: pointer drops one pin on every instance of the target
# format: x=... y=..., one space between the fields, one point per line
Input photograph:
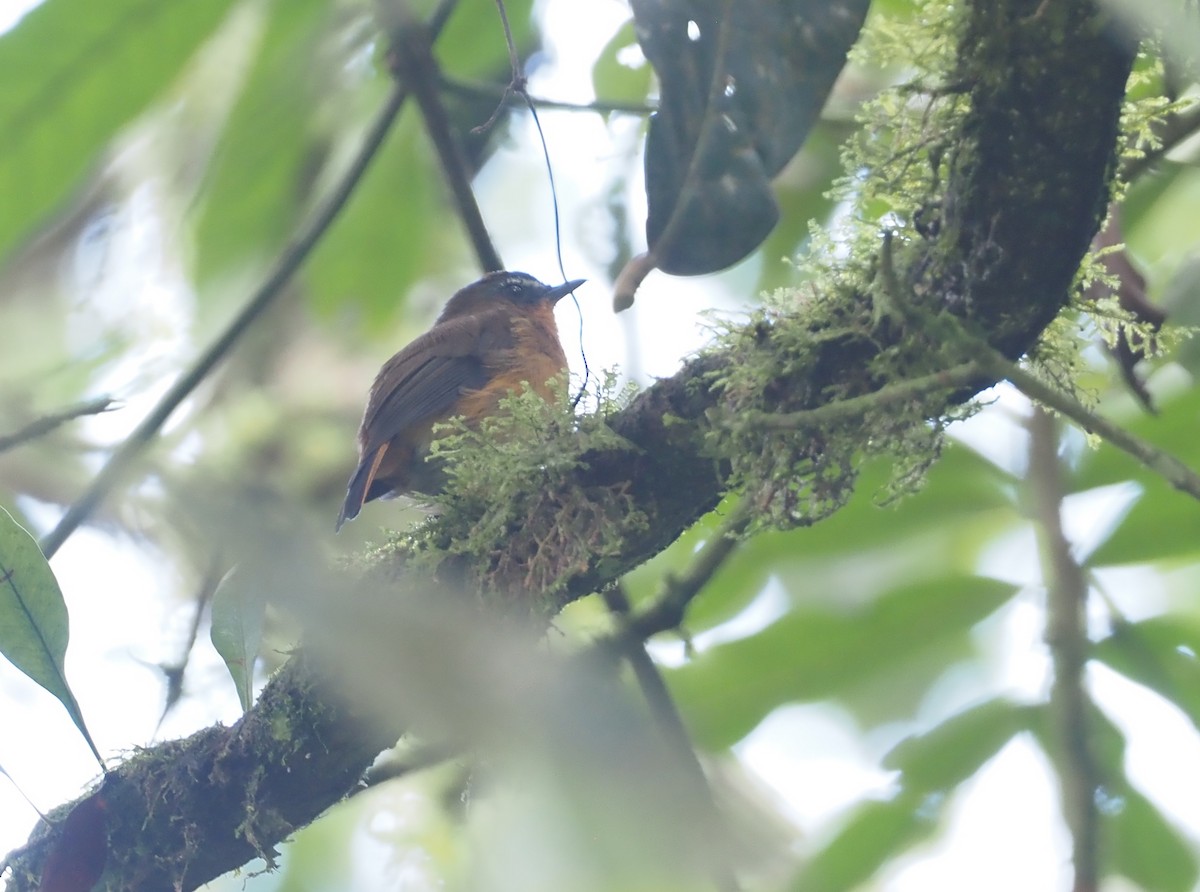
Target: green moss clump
x=514 y=511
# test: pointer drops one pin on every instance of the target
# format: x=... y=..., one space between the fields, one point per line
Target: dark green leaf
x=876 y=832
x=1140 y=844
x=396 y=228
x=34 y=628
x=263 y=167
x=1160 y=653
x=614 y=79
x=74 y=72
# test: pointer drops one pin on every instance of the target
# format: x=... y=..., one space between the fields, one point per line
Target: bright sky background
x=1004 y=832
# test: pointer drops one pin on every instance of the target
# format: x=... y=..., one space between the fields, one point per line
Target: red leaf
x=80 y=849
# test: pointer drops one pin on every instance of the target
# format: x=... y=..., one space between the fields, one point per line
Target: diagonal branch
x=417 y=70
x=39 y=427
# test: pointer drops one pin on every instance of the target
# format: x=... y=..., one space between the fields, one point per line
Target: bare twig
x=41 y=426
x=668 y=610
x=1066 y=635
x=414 y=64
x=123 y=459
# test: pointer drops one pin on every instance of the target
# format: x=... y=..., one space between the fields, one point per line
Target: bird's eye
x=515 y=287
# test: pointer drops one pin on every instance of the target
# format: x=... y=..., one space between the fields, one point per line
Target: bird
x=494 y=337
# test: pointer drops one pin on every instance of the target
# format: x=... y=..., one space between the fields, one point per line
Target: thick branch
x=1026 y=188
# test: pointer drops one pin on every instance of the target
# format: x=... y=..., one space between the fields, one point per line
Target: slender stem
x=41 y=426
x=666 y=715
x=1066 y=635
x=668 y=609
x=1162 y=463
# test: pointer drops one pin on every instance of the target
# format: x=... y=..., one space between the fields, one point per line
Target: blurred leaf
x=387 y=237
x=34 y=628
x=804 y=192
x=238 y=607
x=1160 y=653
x=875 y=833
x=945 y=756
x=74 y=72
x=256 y=185
x=1161 y=524
x=1140 y=844
x=613 y=78
x=965 y=500
x=472 y=44
x=962 y=486
x=813 y=654
x=1173 y=429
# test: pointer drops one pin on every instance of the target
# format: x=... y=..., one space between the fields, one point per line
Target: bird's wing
x=423 y=381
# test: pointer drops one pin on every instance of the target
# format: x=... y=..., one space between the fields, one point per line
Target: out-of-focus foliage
x=155 y=159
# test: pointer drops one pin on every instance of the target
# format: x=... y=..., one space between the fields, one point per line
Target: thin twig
x=414 y=64
x=1167 y=466
x=506 y=95
x=665 y=712
x=1066 y=635
x=120 y=462
x=41 y=426
x=671 y=604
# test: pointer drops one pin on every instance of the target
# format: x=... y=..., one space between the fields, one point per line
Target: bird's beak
x=557 y=292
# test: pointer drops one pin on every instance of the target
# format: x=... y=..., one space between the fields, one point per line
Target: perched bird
x=492 y=337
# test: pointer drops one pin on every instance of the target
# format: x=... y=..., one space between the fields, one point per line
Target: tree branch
x=1066 y=635
x=416 y=69
x=39 y=427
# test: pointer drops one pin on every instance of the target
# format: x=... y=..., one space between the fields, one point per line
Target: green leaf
x=1142 y=845
x=386 y=237
x=614 y=79
x=813 y=654
x=238 y=608
x=1160 y=653
x=34 y=628
x=945 y=756
x=877 y=832
x=256 y=185
x=74 y=72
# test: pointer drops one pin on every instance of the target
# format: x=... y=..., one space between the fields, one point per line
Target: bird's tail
x=360 y=485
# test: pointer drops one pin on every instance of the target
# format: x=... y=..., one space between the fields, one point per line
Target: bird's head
x=517 y=288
